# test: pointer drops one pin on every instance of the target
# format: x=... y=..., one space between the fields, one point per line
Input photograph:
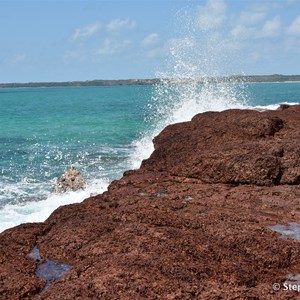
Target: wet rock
x=71 y=180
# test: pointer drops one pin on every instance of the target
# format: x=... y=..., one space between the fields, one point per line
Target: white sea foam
x=39 y=211
x=271 y=106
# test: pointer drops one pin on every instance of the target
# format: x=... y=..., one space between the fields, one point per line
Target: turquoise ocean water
x=102 y=131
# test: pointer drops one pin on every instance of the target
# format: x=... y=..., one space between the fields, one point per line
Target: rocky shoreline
x=194 y=222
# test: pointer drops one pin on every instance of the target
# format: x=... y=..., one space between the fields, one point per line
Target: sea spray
x=199 y=76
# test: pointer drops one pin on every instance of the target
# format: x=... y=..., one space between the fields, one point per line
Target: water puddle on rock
x=293 y=279
x=292 y=230
x=50 y=270
x=35 y=254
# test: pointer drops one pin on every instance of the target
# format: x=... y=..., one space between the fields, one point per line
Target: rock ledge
x=194 y=222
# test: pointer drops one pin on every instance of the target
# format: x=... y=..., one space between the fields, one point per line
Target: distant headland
x=238 y=78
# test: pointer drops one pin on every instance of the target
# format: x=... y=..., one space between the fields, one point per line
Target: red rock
x=192 y=223
x=242 y=147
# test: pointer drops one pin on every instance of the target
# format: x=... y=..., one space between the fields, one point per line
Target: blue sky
x=84 y=40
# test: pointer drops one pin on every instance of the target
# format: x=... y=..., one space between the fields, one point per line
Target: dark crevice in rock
x=279 y=176
x=278 y=125
x=296 y=181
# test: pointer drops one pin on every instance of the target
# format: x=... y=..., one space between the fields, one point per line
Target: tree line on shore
x=251 y=78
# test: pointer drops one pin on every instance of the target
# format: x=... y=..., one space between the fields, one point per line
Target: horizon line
x=150 y=80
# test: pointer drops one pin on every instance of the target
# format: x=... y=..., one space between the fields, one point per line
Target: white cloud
x=271 y=28
x=212 y=15
x=249 y=17
x=150 y=40
x=294 y=28
x=243 y=32
x=86 y=32
x=115 y=26
x=90 y=47
x=118 y=25
x=112 y=47
x=255 y=14
x=83 y=54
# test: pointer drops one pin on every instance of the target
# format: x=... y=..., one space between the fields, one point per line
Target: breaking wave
x=199 y=76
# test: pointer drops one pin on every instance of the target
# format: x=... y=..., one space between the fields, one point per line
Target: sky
x=66 y=40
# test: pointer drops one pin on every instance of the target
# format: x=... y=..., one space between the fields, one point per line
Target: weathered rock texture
x=71 y=180
x=242 y=147
x=192 y=223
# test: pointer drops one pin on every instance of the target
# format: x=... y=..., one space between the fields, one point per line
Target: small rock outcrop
x=71 y=180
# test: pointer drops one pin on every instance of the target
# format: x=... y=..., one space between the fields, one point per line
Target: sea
x=102 y=131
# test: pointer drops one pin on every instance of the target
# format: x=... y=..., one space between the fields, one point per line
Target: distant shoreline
x=251 y=78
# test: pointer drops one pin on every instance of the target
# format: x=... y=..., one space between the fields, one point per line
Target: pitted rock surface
x=71 y=180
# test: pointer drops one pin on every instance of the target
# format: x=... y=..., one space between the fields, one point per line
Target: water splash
x=200 y=76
